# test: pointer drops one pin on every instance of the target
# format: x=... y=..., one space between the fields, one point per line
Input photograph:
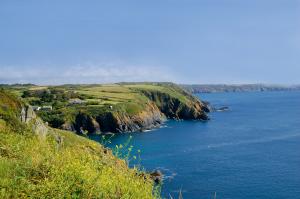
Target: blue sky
x=184 y=41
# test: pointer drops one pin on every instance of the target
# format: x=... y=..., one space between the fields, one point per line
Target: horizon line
x=137 y=82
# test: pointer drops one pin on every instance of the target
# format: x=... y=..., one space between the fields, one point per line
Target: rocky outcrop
x=156 y=176
x=174 y=108
x=84 y=122
x=150 y=117
x=38 y=126
x=118 y=121
x=27 y=114
x=68 y=126
x=215 y=108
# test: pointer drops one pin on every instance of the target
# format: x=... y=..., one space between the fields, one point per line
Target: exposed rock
x=108 y=122
x=23 y=115
x=68 y=126
x=208 y=106
x=121 y=122
x=59 y=141
x=156 y=176
x=27 y=114
x=84 y=122
x=175 y=109
x=221 y=109
x=37 y=125
x=213 y=108
x=39 y=128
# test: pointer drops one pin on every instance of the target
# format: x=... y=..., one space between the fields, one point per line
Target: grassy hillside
x=60 y=165
x=111 y=107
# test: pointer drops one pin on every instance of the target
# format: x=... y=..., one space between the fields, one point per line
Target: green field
x=111 y=94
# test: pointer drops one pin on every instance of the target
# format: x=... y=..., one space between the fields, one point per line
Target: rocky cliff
x=116 y=108
x=28 y=116
x=159 y=106
x=174 y=108
x=150 y=117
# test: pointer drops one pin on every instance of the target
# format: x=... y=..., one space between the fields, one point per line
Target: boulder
x=156 y=176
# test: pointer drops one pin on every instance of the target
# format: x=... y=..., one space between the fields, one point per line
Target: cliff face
x=37 y=125
x=173 y=108
x=118 y=122
x=159 y=107
x=115 y=122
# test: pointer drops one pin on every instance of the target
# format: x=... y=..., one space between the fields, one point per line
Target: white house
x=36 y=108
x=46 y=108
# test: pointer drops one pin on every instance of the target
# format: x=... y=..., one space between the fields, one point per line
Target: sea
x=251 y=151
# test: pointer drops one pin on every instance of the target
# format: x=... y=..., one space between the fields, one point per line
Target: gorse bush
x=62 y=165
x=35 y=168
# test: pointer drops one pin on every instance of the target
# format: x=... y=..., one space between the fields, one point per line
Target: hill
x=37 y=161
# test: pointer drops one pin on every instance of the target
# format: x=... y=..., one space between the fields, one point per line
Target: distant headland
x=212 y=88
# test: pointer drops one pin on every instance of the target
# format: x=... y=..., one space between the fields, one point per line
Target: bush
x=92 y=103
x=26 y=94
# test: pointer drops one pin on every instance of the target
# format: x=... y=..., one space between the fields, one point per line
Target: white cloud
x=85 y=73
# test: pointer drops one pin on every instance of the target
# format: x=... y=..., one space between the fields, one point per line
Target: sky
x=182 y=41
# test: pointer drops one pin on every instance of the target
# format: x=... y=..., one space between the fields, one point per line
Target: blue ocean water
x=250 y=151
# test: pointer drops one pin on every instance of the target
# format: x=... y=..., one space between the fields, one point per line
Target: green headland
x=123 y=107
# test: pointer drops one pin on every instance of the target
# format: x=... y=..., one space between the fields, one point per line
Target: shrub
x=92 y=103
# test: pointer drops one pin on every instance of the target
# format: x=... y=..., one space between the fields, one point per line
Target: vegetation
x=61 y=165
x=107 y=102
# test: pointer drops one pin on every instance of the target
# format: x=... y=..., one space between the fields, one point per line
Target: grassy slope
x=75 y=168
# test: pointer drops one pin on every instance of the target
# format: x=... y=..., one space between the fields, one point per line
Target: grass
x=116 y=93
x=63 y=165
x=112 y=94
x=168 y=88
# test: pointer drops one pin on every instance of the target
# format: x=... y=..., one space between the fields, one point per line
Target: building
x=36 y=108
x=76 y=101
x=46 y=108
